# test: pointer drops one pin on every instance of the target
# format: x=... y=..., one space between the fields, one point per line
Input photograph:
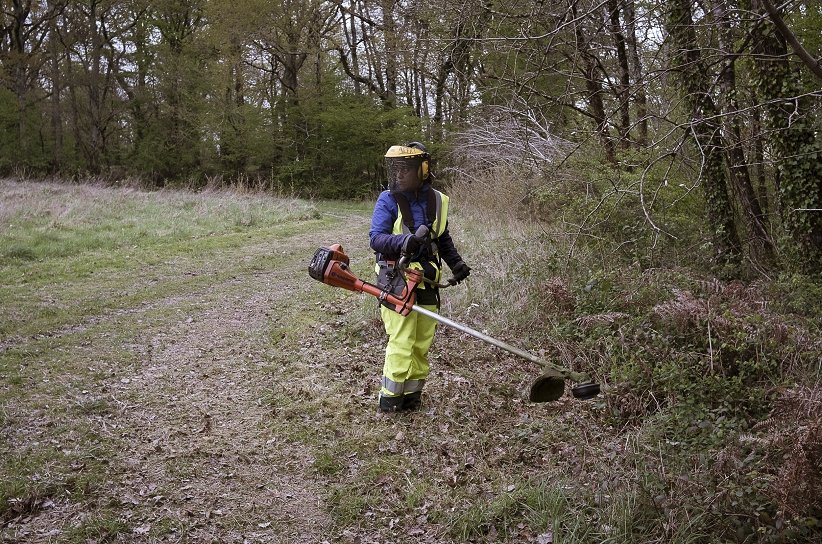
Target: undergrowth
x=715 y=381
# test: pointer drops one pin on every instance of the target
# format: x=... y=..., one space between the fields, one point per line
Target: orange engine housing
x=330 y=265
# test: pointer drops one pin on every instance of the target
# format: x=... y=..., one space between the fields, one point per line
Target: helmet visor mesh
x=402 y=173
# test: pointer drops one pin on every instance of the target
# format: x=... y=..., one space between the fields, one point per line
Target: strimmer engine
x=330 y=265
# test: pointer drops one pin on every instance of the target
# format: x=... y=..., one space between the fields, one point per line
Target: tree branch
x=801 y=52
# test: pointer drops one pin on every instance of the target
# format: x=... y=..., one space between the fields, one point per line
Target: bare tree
x=514 y=138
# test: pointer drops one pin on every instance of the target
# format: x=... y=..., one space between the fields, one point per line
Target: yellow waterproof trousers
x=406 y=355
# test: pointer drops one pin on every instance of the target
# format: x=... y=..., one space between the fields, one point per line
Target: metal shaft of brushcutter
x=575 y=376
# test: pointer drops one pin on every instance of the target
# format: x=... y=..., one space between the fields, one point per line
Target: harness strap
x=432 y=263
x=432 y=215
x=431 y=211
x=405 y=211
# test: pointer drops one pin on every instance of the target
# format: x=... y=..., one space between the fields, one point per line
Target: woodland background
x=630 y=106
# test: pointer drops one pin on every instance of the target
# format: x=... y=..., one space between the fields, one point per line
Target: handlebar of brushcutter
x=421 y=235
x=450 y=282
x=406 y=256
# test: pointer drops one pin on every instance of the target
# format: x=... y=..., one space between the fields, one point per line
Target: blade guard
x=330 y=265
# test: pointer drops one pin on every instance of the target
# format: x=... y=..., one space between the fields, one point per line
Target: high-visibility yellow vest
x=440 y=217
x=440 y=221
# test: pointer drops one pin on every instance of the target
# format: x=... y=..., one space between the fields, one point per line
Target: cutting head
x=585 y=391
x=547 y=388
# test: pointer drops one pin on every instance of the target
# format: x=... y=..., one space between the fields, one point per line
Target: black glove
x=411 y=245
x=460 y=271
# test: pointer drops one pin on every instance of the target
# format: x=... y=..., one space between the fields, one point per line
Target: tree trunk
x=732 y=130
x=94 y=92
x=423 y=84
x=56 y=89
x=759 y=160
x=353 y=43
x=624 y=74
x=18 y=64
x=638 y=78
x=391 y=51
x=593 y=87
x=795 y=147
x=706 y=130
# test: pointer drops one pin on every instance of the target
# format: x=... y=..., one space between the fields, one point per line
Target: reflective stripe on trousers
x=406 y=355
x=393 y=388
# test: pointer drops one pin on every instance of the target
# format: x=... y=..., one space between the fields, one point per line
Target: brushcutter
x=330 y=265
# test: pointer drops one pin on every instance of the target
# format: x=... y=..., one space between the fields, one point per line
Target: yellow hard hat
x=405 y=152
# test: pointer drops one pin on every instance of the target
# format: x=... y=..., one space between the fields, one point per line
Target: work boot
x=412 y=401
x=391 y=404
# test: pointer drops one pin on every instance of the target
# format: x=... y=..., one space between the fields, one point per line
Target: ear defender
x=423 y=169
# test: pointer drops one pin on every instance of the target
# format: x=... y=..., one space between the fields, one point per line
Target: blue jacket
x=387 y=245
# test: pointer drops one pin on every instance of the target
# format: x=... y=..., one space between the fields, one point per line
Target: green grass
x=327 y=464
x=103 y=528
x=90 y=249
x=70 y=465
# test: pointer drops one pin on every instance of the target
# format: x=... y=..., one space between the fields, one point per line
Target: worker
x=410 y=202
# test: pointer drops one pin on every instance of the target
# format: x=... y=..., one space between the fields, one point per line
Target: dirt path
x=201 y=461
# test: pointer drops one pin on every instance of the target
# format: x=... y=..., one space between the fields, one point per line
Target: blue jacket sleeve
x=382 y=224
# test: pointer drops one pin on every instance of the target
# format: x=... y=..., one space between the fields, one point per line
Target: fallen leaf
x=545 y=538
